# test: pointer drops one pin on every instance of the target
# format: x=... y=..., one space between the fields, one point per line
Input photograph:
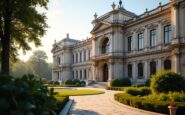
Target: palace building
x=124 y=44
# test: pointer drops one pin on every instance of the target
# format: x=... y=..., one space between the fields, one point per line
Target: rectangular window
x=140 y=41
x=80 y=57
x=84 y=56
x=129 y=43
x=153 y=38
x=76 y=57
x=130 y=70
x=167 y=34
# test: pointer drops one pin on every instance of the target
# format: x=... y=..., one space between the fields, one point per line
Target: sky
x=75 y=17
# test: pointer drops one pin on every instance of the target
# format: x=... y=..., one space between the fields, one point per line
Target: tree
x=19 y=69
x=20 y=23
x=38 y=65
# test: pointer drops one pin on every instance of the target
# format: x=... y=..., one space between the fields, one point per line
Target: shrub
x=138 y=91
x=121 y=82
x=147 y=82
x=116 y=88
x=166 y=81
x=148 y=104
x=69 y=82
x=26 y=95
x=138 y=85
x=82 y=83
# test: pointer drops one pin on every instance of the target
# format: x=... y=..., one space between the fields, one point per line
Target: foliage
x=75 y=82
x=148 y=104
x=176 y=96
x=138 y=85
x=116 y=88
x=26 y=95
x=138 y=91
x=120 y=82
x=38 y=65
x=20 y=24
x=19 y=69
x=147 y=82
x=165 y=81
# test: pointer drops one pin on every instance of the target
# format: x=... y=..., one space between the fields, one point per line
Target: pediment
x=56 y=48
x=100 y=26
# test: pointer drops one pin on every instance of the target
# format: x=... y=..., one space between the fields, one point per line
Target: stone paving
x=103 y=104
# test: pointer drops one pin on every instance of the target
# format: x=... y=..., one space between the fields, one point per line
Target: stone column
x=87 y=74
x=159 y=64
x=175 y=60
x=147 y=70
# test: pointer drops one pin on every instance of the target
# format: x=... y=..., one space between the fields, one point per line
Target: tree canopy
x=20 y=24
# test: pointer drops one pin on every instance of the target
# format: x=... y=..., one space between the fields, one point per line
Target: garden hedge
x=150 y=105
x=116 y=88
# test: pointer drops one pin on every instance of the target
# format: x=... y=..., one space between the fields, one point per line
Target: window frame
x=140 y=37
x=153 y=38
x=168 y=33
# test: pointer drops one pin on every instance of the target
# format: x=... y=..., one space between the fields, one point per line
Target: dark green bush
x=165 y=81
x=150 y=105
x=138 y=85
x=121 y=82
x=82 y=83
x=26 y=95
x=147 y=82
x=75 y=83
x=133 y=91
x=69 y=82
x=138 y=91
x=116 y=88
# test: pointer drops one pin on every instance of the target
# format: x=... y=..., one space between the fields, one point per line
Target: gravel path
x=103 y=104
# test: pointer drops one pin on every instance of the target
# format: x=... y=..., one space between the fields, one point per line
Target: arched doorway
x=105 y=73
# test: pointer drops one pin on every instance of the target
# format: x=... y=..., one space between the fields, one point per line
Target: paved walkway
x=102 y=104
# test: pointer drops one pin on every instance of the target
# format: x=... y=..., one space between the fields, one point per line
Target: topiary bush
x=123 y=82
x=165 y=81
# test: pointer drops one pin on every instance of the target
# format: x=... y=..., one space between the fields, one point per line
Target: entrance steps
x=96 y=84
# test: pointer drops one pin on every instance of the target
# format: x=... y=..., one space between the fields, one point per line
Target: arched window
x=167 y=64
x=130 y=70
x=152 y=68
x=105 y=46
x=140 y=71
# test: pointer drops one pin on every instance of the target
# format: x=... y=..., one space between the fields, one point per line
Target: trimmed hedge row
x=150 y=105
x=116 y=88
x=142 y=91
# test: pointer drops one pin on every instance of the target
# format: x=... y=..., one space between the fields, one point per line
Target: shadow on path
x=81 y=111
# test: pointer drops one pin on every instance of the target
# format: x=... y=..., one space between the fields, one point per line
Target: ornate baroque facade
x=124 y=44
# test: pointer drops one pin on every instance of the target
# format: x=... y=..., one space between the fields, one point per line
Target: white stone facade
x=124 y=44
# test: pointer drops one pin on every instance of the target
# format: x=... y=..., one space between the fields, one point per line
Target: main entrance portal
x=105 y=73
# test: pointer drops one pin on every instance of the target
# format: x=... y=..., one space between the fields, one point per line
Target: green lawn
x=77 y=92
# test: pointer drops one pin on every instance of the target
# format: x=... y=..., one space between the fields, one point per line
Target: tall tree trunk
x=6 y=41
